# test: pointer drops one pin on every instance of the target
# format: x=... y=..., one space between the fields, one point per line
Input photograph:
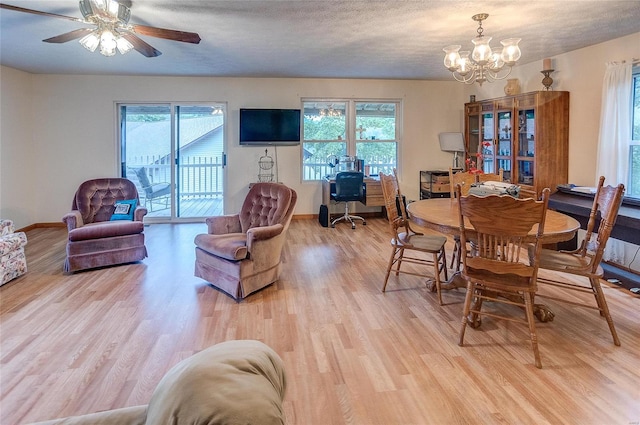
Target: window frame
x=350 y=138
x=633 y=184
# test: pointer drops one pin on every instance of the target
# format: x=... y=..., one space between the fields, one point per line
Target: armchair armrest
x=12 y=242
x=256 y=234
x=223 y=224
x=73 y=220
x=139 y=213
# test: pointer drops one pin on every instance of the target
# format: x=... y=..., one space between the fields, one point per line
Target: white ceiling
x=312 y=38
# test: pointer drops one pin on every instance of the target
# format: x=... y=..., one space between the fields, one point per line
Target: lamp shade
x=451 y=142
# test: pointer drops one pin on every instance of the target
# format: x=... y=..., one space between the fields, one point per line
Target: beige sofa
x=231 y=383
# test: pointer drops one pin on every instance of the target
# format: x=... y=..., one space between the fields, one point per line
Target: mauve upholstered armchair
x=241 y=253
x=13 y=262
x=231 y=383
x=94 y=239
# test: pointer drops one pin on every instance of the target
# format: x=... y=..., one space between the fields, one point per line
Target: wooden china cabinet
x=527 y=135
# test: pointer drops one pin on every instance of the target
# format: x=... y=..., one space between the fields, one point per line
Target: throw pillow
x=123 y=210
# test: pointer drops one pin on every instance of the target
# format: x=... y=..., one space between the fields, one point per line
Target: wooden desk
x=373 y=191
x=442 y=215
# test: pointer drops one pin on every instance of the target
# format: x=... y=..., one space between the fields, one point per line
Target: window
x=633 y=186
x=366 y=129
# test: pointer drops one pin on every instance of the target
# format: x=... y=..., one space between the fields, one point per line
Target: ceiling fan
x=110 y=29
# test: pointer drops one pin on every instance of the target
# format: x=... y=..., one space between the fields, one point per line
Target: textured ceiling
x=325 y=39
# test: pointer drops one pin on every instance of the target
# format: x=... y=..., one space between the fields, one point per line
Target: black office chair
x=349 y=187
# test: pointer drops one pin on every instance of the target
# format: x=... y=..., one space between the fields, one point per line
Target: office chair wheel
x=364 y=223
x=353 y=226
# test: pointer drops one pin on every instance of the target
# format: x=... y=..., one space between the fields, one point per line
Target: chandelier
x=330 y=112
x=485 y=63
x=110 y=17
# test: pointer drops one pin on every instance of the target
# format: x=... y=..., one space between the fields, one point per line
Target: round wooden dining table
x=441 y=214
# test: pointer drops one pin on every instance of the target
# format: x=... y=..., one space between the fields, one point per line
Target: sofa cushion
x=106 y=229
x=231 y=383
x=232 y=246
x=123 y=210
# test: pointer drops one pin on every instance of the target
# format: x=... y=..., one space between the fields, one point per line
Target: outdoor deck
x=190 y=208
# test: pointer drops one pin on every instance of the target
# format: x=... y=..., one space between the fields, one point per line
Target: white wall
x=581 y=73
x=74 y=135
x=17 y=175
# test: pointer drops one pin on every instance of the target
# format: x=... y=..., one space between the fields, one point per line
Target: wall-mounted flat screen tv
x=269 y=127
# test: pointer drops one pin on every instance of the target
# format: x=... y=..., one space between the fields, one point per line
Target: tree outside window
x=332 y=129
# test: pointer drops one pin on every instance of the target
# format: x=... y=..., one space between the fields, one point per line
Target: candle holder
x=547 y=80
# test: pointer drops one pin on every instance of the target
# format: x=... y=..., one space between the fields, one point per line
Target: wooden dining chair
x=491 y=177
x=404 y=238
x=585 y=261
x=465 y=179
x=494 y=235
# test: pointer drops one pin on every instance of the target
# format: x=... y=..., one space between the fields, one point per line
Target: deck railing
x=198 y=177
x=318 y=171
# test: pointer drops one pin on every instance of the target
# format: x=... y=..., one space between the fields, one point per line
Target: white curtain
x=615 y=137
x=615 y=125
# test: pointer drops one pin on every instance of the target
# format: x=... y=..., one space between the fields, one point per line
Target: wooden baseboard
x=41 y=225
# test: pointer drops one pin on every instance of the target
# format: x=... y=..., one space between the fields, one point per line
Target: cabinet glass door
x=503 y=148
x=487 y=148
x=526 y=146
x=473 y=138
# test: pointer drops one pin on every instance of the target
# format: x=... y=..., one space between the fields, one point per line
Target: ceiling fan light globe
x=107 y=51
x=86 y=8
x=123 y=45
x=113 y=7
x=123 y=14
x=107 y=43
x=100 y=4
x=90 y=42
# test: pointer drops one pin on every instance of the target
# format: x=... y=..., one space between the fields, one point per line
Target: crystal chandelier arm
x=494 y=75
x=467 y=80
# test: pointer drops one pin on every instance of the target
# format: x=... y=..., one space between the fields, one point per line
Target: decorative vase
x=512 y=87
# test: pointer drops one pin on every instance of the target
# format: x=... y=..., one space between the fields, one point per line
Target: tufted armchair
x=13 y=262
x=95 y=240
x=241 y=253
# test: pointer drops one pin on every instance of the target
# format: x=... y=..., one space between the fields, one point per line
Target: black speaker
x=323 y=216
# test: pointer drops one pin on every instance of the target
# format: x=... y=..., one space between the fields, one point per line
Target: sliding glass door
x=174 y=153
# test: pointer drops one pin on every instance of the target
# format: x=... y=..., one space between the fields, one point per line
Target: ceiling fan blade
x=38 y=12
x=186 y=37
x=68 y=36
x=141 y=46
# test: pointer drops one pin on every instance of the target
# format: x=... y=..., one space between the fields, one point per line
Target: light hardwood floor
x=103 y=339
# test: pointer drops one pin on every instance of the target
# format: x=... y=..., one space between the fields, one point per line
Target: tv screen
x=269 y=126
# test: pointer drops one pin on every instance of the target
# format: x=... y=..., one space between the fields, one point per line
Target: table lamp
x=452 y=142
